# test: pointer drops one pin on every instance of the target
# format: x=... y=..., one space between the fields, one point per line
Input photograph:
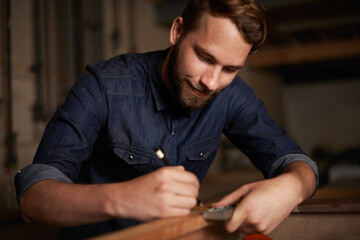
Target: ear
x=176 y=30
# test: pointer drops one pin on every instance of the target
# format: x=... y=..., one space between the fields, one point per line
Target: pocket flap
x=200 y=152
x=132 y=156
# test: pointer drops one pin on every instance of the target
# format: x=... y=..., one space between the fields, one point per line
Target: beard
x=180 y=86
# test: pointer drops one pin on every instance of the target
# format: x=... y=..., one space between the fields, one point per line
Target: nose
x=211 y=78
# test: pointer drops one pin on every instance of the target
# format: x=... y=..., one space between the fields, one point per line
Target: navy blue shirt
x=120 y=110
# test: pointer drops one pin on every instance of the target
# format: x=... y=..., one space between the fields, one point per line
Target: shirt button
x=130 y=157
x=202 y=154
x=173 y=133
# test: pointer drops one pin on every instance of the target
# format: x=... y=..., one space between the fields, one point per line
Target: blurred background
x=307 y=74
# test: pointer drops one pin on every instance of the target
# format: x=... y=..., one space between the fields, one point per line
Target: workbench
x=331 y=214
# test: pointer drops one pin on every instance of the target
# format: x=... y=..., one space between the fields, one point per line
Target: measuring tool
x=219 y=213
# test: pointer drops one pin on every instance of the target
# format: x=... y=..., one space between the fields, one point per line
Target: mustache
x=201 y=87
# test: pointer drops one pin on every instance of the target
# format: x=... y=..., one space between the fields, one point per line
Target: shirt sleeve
x=69 y=137
x=279 y=165
x=34 y=173
x=251 y=129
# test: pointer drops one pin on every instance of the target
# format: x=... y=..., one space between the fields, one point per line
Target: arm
x=263 y=205
x=291 y=175
x=169 y=191
x=46 y=189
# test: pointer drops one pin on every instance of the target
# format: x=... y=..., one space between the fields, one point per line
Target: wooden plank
x=270 y=56
x=330 y=211
x=166 y=228
x=215 y=231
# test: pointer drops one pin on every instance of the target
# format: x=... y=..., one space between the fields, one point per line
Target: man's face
x=205 y=61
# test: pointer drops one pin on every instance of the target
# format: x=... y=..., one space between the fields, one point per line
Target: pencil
x=160 y=154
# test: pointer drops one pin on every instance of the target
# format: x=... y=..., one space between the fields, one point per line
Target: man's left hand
x=262 y=206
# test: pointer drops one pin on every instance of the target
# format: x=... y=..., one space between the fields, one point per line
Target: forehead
x=220 y=37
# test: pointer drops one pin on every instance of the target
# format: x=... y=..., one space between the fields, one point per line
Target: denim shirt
x=120 y=110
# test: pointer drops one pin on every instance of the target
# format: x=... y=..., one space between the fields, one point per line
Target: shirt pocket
x=132 y=156
x=201 y=152
x=136 y=160
x=199 y=156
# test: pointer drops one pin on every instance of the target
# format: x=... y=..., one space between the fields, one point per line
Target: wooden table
x=318 y=218
x=322 y=219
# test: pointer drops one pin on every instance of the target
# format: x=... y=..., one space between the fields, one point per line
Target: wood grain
x=338 y=217
x=166 y=228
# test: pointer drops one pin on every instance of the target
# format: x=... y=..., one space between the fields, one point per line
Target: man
x=179 y=100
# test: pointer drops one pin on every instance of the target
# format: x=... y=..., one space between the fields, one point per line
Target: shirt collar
x=161 y=94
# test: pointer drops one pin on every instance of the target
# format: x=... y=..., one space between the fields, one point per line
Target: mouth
x=198 y=93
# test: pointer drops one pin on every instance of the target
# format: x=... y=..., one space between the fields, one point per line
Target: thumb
x=232 y=198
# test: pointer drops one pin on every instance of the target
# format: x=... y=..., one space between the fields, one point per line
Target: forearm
x=169 y=191
x=303 y=177
x=64 y=204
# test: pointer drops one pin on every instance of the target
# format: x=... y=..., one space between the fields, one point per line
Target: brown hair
x=247 y=15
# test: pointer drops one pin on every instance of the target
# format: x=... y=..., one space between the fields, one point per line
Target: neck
x=164 y=69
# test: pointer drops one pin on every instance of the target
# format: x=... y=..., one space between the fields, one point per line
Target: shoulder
x=238 y=98
x=127 y=74
x=238 y=91
x=130 y=65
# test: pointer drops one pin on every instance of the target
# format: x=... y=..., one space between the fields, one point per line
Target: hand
x=169 y=191
x=261 y=206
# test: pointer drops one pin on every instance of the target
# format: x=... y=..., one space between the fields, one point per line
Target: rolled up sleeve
x=279 y=165
x=34 y=173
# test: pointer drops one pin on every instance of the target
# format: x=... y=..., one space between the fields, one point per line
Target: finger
x=185 y=189
x=165 y=211
x=181 y=175
x=176 y=211
x=179 y=188
x=174 y=205
x=232 y=198
x=184 y=202
x=238 y=218
x=247 y=229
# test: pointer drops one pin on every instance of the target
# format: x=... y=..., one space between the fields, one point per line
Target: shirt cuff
x=279 y=165
x=34 y=173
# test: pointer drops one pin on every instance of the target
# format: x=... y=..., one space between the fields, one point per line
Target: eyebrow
x=203 y=51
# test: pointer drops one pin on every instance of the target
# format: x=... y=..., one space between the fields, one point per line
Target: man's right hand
x=169 y=191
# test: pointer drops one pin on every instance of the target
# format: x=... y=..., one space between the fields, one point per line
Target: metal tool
x=219 y=213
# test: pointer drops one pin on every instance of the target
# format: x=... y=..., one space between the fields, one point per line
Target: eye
x=203 y=58
x=230 y=70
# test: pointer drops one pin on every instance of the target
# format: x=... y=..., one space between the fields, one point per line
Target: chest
x=136 y=128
